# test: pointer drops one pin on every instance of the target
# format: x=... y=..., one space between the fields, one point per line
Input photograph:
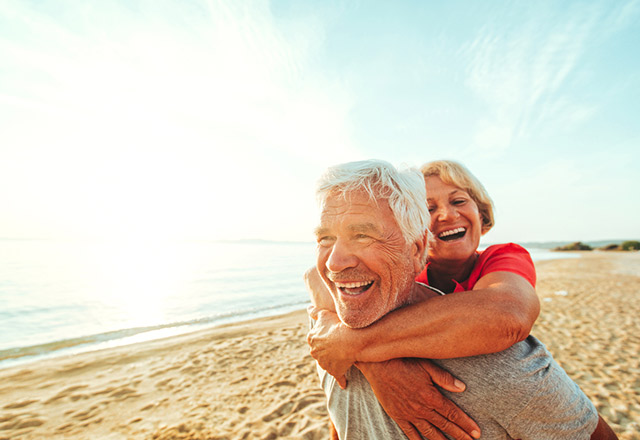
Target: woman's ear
x=485 y=227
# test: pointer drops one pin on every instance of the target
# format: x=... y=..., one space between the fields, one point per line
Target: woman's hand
x=407 y=392
x=329 y=344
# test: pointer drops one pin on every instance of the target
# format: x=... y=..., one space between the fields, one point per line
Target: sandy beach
x=255 y=380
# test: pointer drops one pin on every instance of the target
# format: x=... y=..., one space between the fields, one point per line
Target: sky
x=197 y=119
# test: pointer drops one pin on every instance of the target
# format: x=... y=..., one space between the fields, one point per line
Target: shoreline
x=255 y=379
x=161 y=332
x=114 y=337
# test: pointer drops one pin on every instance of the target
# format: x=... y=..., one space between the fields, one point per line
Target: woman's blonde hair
x=456 y=174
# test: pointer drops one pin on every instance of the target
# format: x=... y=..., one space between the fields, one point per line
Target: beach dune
x=255 y=380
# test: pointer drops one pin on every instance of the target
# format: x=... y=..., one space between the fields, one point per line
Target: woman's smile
x=452 y=234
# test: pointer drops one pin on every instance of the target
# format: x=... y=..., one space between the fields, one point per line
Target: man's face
x=364 y=259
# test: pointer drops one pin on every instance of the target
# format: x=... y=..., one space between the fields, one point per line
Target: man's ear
x=419 y=254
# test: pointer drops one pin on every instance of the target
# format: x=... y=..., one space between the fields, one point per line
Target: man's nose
x=341 y=257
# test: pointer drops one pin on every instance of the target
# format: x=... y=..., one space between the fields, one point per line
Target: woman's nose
x=445 y=213
x=341 y=257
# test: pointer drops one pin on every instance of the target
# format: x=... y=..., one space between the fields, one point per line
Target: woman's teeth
x=452 y=233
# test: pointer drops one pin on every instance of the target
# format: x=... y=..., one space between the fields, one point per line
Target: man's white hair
x=404 y=190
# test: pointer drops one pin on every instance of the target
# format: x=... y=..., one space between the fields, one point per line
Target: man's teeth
x=355 y=288
x=352 y=285
x=451 y=232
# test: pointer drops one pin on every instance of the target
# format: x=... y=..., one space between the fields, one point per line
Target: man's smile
x=353 y=288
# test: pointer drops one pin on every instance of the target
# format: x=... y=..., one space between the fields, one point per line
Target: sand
x=256 y=380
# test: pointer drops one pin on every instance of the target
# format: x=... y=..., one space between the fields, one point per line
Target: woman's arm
x=320 y=296
x=497 y=313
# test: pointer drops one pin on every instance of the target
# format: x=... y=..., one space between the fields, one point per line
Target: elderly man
x=371 y=244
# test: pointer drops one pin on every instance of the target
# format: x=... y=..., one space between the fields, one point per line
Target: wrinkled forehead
x=357 y=196
x=356 y=207
x=372 y=188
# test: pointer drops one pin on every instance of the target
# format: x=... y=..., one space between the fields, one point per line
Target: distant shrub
x=610 y=247
x=577 y=246
x=630 y=245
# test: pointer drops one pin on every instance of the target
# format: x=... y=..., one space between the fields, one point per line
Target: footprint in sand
x=305 y=402
x=286 y=383
x=64 y=428
x=22 y=421
x=242 y=379
x=163 y=370
x=190 y=370
x=84 y=415
x=124 y=393
x=30 y=423
x=66 y=392
x=103 y=391
x=7 y=418
x=21 y=404
x=278 y=411
x=287 y=429
x=165 y=383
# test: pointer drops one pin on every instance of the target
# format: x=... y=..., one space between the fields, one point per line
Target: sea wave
x=101 y=340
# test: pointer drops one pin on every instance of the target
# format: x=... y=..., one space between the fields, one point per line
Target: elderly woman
x=494 y=307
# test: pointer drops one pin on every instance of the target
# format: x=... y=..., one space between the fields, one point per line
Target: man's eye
x=325 y=241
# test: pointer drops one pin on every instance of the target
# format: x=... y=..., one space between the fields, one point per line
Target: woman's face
x=456 y=223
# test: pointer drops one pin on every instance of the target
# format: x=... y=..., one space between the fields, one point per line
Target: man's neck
x=419 y=293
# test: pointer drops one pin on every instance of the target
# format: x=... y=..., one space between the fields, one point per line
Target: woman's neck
x=441 y=274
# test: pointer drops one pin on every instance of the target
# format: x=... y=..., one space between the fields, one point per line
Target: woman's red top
x=508 y=257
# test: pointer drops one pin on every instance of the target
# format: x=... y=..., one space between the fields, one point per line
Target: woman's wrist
x=356 y=342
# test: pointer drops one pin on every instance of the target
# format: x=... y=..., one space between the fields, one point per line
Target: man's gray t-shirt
x=518 y=393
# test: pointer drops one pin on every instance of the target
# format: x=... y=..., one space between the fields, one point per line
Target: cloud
x=526 y=69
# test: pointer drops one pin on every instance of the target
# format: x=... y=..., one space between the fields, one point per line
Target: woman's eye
x=459 y=202
x=432 y=208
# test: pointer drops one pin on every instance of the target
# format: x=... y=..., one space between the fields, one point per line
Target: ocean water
x=61 y=297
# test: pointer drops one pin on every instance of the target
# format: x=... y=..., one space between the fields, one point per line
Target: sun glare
x=137 y=277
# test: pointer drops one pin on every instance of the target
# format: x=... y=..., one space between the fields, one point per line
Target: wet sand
x=255 y=380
